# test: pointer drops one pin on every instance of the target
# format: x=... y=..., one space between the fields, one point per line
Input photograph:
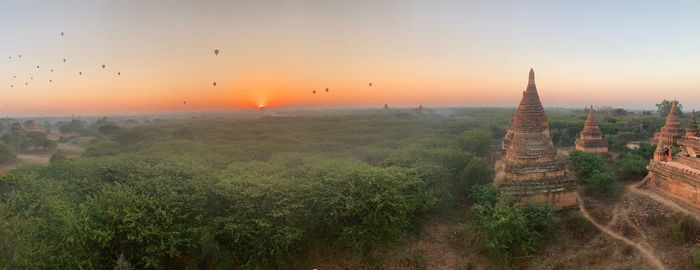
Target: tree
x=476 y=141
x=7 y=154
x=74 y=125
x=16 y=127
x=108 y=129
x=665 y=106
x=477 y=171
x=631 y=167
x=37 y=140
x=584 y=165
x=602 y=183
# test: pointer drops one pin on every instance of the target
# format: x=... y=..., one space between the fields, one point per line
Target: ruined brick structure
x=591 y=138
x=531 y=169
x=677 y=177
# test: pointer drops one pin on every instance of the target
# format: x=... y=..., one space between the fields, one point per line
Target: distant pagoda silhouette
x=531 y=169
x=386 y=106
x=591 y=138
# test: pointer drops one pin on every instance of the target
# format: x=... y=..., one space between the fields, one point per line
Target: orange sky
x=275 y=53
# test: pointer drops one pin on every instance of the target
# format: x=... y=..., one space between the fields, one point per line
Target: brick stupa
x=591 y=138
x=531 y=169
x=671 y=131
x=677 y=177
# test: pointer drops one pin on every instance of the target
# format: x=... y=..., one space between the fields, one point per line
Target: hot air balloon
x=31 y=78
x=216 y=52
x=52 y=70
x=50 y=80
x=214 y=83
x=326 y=90
x=370 y=84
x=14 y=76
x=61 y=33
x=10 y=57
x=80 y=73
x=12 y=86
x=313 y=92
x=26 y=83
x=20 y=56
x=64 y=60
x=103 y=66
x=119 y=73
x=184 y=102
x=37 y=66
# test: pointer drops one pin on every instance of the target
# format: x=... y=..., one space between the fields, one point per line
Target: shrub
x=584 y=165
x=484 y=195
x=477 y=171
x=684 y=228
x=696 y=258
x=603 y=184
x=513 y=230
x=631 y=167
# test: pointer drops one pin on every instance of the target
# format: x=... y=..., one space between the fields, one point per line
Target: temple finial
x=531 y=79
x=673 y=109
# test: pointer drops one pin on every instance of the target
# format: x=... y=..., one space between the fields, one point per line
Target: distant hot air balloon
x=313 y=92
x=184 y=102
x=10 y=57
x=326 y=90
x=11 y=86
x=80 y=73
x=26 y=83
x=37 y=66
x=370 y=84
x=52 y=70
x=103 y=66
x=216 y=51
x=50 y=80
x=31 y=78
x=119 y=73
x=61 y=33
x=64 y=60
x=14 y=76
x=20 y=56
x=214 y=83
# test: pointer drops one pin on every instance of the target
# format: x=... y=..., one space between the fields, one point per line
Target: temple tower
x=591 y=138
x=677 y=175
x=669 y=134
x=531 y=169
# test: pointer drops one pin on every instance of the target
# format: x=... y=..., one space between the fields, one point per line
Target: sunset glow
x=275 y=53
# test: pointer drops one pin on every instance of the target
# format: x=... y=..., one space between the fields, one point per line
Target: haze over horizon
x=275 y=53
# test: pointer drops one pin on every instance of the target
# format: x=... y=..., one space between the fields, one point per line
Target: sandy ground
x=73 y=148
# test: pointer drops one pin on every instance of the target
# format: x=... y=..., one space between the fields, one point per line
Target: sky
x=629 y=54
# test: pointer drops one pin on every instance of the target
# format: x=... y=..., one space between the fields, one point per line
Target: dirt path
x=644 y=251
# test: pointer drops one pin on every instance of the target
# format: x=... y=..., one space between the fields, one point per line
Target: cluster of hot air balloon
x=118 y=73
x=64 y=60
x=327 y=89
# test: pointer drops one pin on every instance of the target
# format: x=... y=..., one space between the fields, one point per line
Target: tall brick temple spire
x=531 y=168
